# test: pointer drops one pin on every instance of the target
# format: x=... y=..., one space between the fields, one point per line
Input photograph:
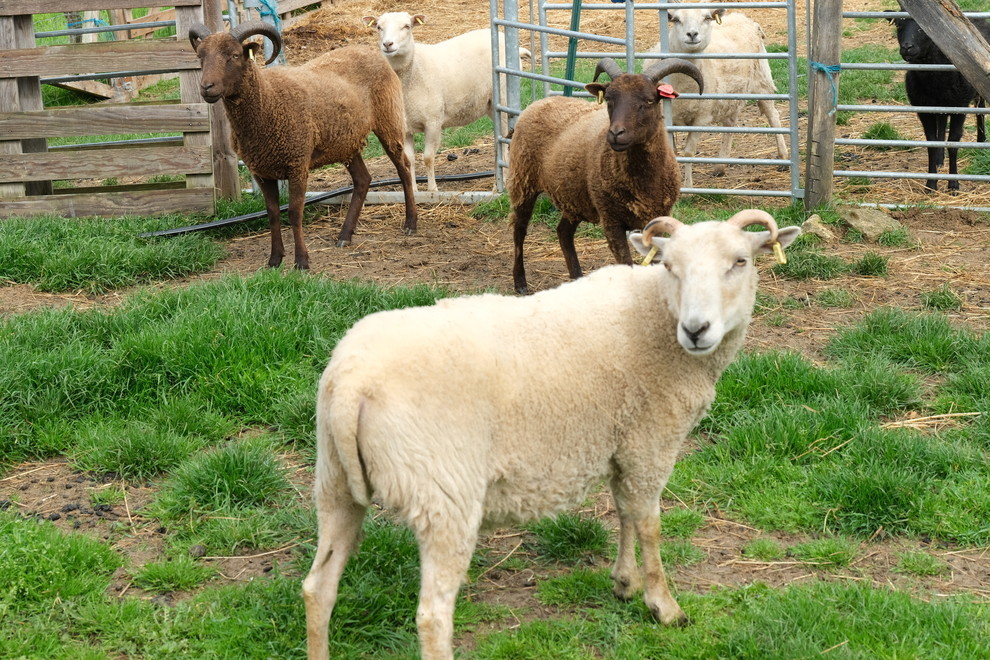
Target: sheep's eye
x=741 y=261
x=674 y=19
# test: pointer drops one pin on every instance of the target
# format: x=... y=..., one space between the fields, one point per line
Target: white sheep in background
x=714 y=31
x=525 y=407
x=443 y=85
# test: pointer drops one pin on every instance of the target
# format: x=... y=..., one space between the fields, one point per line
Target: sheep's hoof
x=718 y=173
x=522 y=290
x=343 y=242
x=409 y=231
x=677 y=619
x=275 y=262
x=302 y=266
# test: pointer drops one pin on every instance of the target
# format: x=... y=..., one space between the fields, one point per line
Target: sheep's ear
x=418 y=19
x=655 y=249
x=253 y=49
x=597 y=90
x=763 y=245
x=370 y=21
x=717 y=15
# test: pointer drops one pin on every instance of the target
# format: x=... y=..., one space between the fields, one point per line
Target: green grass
x=942 y=299
x=179 y=573
x=826 y=552
x=882 y=131
x=96 y=255
x=569 y=538
x=763 y=549
x=920 y=563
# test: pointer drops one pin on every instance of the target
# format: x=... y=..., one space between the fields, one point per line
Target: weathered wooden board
x=147 y=161
x=145 y=202
x=106 y=120
x=958 y=38
x=101 y=57
x=15 y=7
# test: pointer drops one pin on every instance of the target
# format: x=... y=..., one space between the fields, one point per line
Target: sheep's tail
x=338 y=456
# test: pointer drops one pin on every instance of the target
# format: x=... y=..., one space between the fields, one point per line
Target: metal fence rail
x=537 y=26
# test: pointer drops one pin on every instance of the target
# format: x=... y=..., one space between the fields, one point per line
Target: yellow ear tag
x=718 y=18
x=649 y=257
x=778 y=252
x=601 y=96
x=251 y=54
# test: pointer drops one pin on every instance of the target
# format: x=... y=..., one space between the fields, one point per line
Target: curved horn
x=671 y=65
x=665 y=224
x=749 y=217
x=609 y=66
x=251 y=28
x=197 y=33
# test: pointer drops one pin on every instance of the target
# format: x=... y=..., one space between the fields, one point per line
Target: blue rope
x=830 y=70
x=269 y=8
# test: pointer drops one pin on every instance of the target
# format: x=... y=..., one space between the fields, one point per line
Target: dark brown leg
x=565 y=236
x=362 y=180
x=520 y=225
x=297 y=200
x=269 y=190
x=403 y=167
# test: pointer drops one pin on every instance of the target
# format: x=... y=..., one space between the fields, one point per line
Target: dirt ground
x=455 y=250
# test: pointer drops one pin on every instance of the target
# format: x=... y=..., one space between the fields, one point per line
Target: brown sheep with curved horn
x=615 y=168
x=286 y=121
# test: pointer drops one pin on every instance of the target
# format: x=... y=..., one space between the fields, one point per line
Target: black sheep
x=938 y=88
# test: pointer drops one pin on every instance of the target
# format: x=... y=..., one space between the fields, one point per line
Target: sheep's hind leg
x=626 y=577
x=340 y=528
x=362 y=181
x=269 y=190
x=445 y=549
x=522 y=211
x=401 y=157
x=934 y=131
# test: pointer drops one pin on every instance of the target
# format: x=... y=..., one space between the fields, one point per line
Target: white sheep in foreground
x=525 y=407
x=444 y=84
x=714 y=31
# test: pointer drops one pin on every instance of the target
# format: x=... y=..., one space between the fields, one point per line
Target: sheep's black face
x=916 y=47
x=633 y=110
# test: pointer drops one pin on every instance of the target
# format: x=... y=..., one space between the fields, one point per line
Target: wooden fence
x=204 y=157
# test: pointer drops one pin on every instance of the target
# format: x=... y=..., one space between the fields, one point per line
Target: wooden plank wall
x=27 y=167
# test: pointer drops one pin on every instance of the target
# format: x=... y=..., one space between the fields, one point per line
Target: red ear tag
x=667 y=91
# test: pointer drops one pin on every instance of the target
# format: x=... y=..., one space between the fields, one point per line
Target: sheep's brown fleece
x=286 y=121
x=338 y=103
x=560 y=148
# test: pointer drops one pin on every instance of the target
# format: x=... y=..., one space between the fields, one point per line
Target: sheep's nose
x=386 y=44
x=692 y=36
x=616 y=132
x=695 y=333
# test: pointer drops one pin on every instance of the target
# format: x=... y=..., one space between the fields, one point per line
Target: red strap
x=667 y=92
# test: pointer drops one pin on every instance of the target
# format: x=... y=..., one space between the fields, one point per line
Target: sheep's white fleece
x=736 y=34
x=525 y=401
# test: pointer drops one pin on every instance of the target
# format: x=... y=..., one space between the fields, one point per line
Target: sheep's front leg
x=269 y=190
x=690 y=151
x=297 y=201
x=431 y=143
x=362 y=181
x=656 y=593
x=956 y=123
x=625 y=575
x=409 y=149
x=565 y=236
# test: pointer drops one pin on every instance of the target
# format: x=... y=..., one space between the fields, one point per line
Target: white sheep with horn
x=526 y=406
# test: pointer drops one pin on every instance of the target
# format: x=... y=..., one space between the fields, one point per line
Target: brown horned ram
x=286 y=120
x=616 y=168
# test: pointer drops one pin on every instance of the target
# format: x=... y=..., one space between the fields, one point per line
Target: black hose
x=311 y=200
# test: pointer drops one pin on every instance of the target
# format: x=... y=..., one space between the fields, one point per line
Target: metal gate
x=539 y=31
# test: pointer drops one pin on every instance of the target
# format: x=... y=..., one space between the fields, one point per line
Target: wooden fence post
x=958 y=38
x=823 y=90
